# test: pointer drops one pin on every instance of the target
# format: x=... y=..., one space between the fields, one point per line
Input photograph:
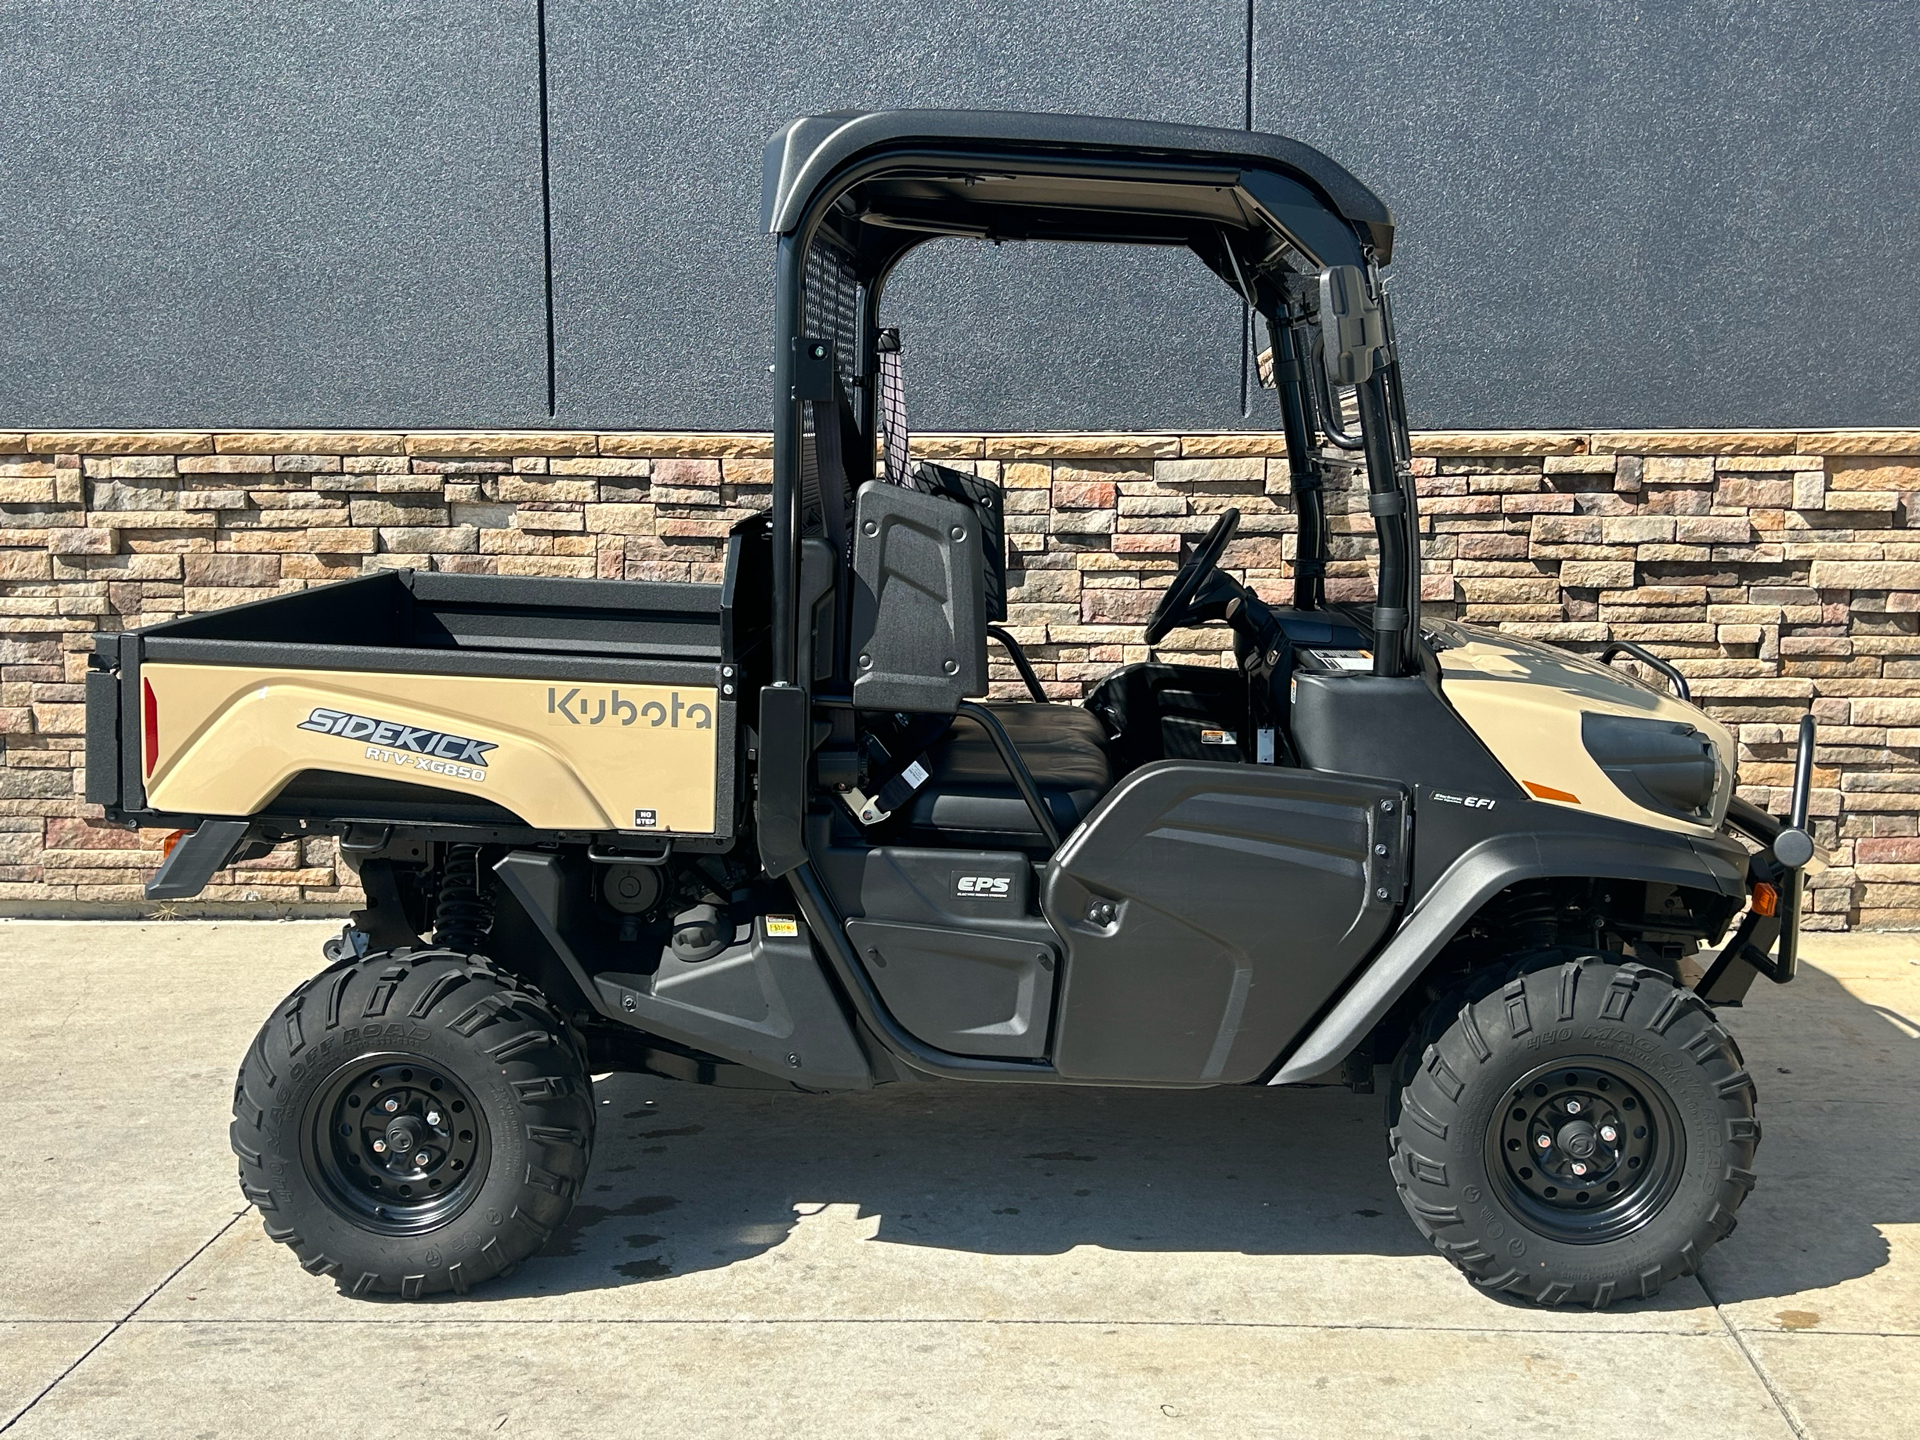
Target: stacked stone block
x=1777 y=569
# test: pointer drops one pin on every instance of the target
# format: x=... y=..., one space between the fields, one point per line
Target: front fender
x=1475 y=878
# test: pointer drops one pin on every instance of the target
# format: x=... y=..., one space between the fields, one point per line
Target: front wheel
x=411 y=1123
x=1580 y=1133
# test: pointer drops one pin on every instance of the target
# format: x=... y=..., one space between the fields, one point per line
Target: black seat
x=970 y=797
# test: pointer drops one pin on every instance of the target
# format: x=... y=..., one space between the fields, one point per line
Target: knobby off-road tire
x=413 y=1122
x=1506 y=1090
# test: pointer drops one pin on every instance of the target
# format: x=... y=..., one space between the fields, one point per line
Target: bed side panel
x=560 y=755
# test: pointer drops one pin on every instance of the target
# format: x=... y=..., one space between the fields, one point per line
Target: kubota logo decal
x=575 y=707
x=392 y=735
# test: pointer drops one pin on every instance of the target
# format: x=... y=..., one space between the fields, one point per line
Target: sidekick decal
x=404 y=744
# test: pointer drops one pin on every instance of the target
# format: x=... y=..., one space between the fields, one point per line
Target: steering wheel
x=1171 y=610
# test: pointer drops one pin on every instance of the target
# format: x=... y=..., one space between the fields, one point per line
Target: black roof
x=808 y=150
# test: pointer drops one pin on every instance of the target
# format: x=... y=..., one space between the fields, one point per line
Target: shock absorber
x=1528 y=915
x=461 y=914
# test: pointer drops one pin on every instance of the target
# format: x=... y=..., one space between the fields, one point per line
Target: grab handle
x=1016 y=767
x=1647 y=657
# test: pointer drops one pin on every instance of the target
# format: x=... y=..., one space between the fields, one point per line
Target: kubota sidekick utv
x=766 y=831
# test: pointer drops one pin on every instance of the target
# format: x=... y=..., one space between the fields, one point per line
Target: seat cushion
x=1028 y=721
x=969 y=794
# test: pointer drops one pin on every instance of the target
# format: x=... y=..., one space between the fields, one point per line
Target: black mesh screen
x=831 y=305
x=829 y=310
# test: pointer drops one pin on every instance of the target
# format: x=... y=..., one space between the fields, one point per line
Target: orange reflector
x=1547 y=792
x=1766 y=899
x=166 y=845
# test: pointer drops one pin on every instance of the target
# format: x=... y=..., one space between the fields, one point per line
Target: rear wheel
x=410 y=1123
x=1577 y=1132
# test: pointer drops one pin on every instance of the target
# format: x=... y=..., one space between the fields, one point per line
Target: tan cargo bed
x=583 y=707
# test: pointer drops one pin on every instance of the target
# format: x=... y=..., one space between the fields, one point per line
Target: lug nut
x=394 y=1104
x=433 y=1117
x=422 y=1158
x=1579 y=1167
x=1609 y=1134
x=379 y=1147
x=1573 y=1107
x=1545 y=1142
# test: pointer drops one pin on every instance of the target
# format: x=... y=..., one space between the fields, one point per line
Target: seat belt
x=893 y=408
x=830 y=473
x=902 y=787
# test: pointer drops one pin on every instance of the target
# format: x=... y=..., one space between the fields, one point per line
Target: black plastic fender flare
x=1476 y=877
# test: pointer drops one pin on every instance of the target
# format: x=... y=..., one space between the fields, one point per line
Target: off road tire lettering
x=507 y=1044
x=1455 y=1078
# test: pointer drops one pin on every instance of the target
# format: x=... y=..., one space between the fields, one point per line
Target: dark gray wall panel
x=1620 y=213
x=663 y=284
x=329 y=213
x=1049 y=337
x=271 y=214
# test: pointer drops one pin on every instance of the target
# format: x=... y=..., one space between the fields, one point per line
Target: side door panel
x=1210 y=911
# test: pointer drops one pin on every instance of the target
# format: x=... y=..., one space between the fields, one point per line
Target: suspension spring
x=1529 y=916
x=462 y=915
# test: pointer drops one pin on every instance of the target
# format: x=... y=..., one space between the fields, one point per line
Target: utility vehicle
x=768 y=831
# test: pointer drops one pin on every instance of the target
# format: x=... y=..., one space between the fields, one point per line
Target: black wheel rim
x=1587 y=1150
x=397 y=1145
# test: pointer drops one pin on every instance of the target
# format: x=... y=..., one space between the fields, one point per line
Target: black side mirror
x=1351 y=324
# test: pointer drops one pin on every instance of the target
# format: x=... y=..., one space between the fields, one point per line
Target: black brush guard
x=1770 y=944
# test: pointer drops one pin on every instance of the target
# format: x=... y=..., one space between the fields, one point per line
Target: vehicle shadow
x=1834 y=1074
x=687 y=1179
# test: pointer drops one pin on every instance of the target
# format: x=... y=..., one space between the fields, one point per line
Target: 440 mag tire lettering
x=412 y=1123
x=1576 y=1131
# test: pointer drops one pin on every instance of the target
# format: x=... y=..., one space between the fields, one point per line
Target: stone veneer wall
x=1778 y=569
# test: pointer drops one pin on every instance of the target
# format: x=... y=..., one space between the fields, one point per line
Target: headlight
x=1665 y=765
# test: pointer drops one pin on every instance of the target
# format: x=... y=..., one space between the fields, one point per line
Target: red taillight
x=149 y=726
x=1766 y=899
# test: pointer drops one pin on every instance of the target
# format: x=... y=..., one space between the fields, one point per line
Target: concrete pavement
x=967 y=1261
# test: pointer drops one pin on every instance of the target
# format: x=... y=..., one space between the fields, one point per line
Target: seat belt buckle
x=866 y=811
x=892 y=795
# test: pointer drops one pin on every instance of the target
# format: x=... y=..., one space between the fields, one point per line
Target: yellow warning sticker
x=782 y=925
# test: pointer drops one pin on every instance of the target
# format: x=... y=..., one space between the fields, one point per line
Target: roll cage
x=1295 y=236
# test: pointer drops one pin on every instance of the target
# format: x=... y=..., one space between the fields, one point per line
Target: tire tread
x=503 y=1021
x=1454 y=1039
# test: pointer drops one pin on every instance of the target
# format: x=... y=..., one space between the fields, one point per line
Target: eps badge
x=982 y=886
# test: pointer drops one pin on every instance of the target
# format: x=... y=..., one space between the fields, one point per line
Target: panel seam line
x=1246 y=311
x=122 y=1322
x=546 y=212
x=1753 y=1361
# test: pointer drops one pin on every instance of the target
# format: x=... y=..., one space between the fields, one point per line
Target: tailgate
x=113 y=728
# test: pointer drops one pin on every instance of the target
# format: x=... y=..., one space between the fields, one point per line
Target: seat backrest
x=1154 y=711
x=919 y=632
